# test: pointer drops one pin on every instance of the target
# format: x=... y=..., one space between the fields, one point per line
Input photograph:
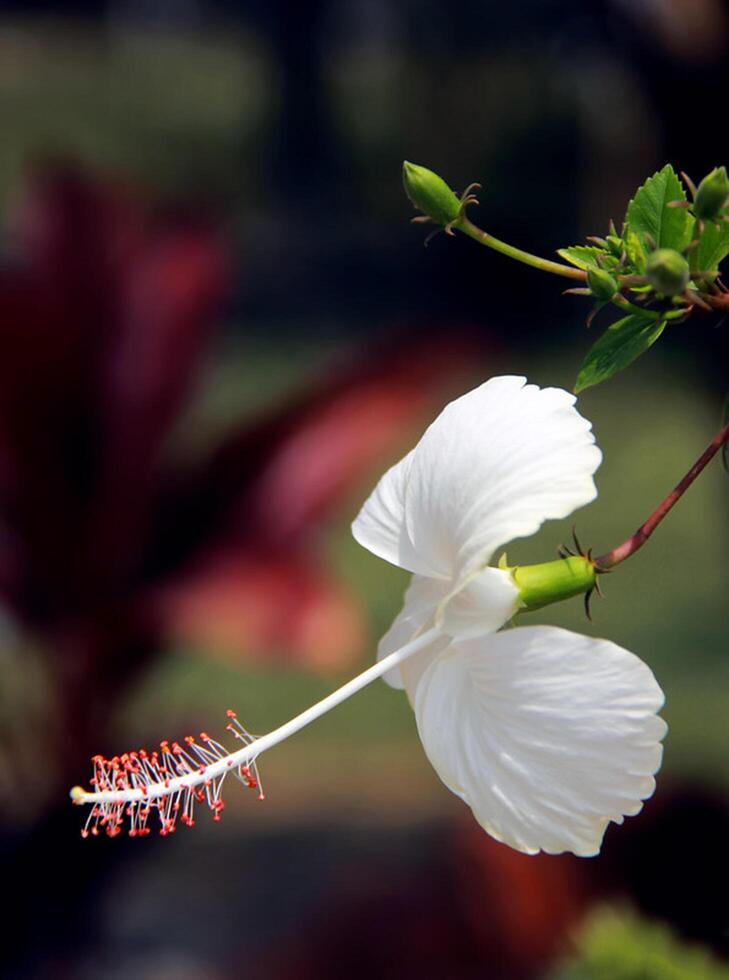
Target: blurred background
x=217 y=328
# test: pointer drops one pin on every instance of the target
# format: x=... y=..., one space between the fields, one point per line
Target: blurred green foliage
x=616 y=944
x=187 y=110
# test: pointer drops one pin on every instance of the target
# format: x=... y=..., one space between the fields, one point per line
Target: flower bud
x=667 y=271
x=430 y=193
x=711 y=196
x=553 y=581
x=602 y=285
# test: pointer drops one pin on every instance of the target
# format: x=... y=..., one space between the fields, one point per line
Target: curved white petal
x=493 y=466
x=422 y=600
x=380 y=524
x=487 y=600
x=546 y=734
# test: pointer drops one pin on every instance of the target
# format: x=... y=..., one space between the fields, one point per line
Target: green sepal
x=667 y=271
x=602 y=285
x=430 y=194
x=711 y=196
x=553 y=581
x=619 y=346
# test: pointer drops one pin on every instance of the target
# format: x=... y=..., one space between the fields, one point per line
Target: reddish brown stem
x=637 y=540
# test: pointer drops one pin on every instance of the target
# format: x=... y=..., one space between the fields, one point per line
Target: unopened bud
x=667 y=271
x=602 y=285
x=553 y=581
x=711 y=196
x=430 y=193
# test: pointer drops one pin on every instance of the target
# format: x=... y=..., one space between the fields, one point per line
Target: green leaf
x=648 y=213
x=618 y=347
x=725 y=447
x=713 y=247
x=583 y=256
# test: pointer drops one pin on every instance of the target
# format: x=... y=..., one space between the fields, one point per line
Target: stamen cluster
x=169 y=781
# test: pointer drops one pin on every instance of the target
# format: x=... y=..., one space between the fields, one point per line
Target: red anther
x=261 y=797
x=84 y=833
x=144 y=772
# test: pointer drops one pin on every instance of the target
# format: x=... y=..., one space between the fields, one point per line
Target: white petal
x=483 y=604
x=494 y=465
x=380 y=524
x=422 y=600
x=546 y=734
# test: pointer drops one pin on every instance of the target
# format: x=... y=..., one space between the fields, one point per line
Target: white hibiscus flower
x=546 y=734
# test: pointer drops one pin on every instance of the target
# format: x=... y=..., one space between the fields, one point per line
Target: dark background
x=215 y=314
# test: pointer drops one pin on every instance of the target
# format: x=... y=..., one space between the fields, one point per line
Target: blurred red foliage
x=107 y=551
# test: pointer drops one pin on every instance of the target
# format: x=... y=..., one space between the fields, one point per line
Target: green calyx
x=667 y=271
x=430 y=194
x=602 y=285
x=711 y=195
x=553 y=581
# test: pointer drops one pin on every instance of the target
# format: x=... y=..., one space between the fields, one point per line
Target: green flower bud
x=667 y=271
x=430 y=193
x=602 y=285
x=553 y=581
x=711 y=196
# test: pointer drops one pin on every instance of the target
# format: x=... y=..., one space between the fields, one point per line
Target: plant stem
x=546 y=265
x=629 y=547
x=628 y=307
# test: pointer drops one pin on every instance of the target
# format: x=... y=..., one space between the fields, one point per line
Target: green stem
x=546 y=265
x=628 y=307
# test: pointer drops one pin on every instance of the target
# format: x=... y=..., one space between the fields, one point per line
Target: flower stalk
x=511 y=251
x=636 y=541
